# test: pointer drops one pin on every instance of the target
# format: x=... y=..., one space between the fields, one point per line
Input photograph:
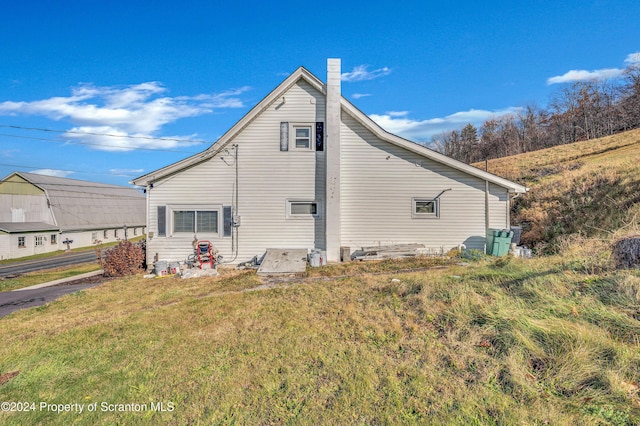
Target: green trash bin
x=498 y=241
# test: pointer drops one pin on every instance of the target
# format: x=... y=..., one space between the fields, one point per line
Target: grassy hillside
x=502 y=342
x=590 y=188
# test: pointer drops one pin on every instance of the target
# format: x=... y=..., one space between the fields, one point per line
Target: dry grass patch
x=492 y=343
x=588 y=188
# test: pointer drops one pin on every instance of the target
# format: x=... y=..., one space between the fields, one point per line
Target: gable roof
x=81 y=205
x=346 y=106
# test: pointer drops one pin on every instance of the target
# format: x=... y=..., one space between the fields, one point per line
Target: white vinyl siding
x=372 y=169
x=267 y=178
x=379 y=182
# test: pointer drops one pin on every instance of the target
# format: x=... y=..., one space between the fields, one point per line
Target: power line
x=97 y=144
x=103 y=134
x=22 y=166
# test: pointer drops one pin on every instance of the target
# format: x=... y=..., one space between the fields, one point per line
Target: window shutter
x=319 y=136
x=226 y=221
x=284 y=136
x=162 y=221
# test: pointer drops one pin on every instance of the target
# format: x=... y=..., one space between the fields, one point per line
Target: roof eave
x=422 y=150
x=217 y=146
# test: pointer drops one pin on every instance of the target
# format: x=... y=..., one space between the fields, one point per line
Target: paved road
x=11 y=301
x=22 y=267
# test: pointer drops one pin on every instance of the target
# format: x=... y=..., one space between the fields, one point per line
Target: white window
x=302 y=137
x=195 y=221
x=39 y=240
x=425 y=208
x=94 y=236
x=22 y=242
x=302 y=209
x=54 y=239
x=105 y=235
x=115 y=233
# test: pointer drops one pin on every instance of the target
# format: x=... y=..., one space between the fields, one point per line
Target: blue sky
x=165 y=79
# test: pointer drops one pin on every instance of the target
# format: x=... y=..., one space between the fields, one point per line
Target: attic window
x=303 y=137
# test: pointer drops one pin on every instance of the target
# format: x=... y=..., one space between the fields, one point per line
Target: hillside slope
x=398 y=342
x=591 y=188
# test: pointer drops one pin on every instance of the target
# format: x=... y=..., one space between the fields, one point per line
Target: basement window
x=302 y=209
x=425 y=208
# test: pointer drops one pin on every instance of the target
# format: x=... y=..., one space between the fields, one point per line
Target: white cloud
x=360 y=73
x=53 y=172
x=398 y=113
x=633 y=59
x=136 y=110
x=360 y=95
x=601 y=74
x=583 y=75
x=126 y=172
x=399 y=124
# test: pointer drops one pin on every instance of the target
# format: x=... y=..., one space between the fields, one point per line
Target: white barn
x=39 y=213
x=306 y=169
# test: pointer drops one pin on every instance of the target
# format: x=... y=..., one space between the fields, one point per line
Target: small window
x=115 y=233
x=94 y=236
x=135 y=231
x=54 y=239
x=302 y=138
x=425 y=208
x=106 y=234
x=39 y=240
x=302 y=208
x=22 y=242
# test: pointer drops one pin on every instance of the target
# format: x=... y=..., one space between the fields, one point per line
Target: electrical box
x=236 y=221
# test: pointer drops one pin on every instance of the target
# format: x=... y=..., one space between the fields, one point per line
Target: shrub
x=126 y=258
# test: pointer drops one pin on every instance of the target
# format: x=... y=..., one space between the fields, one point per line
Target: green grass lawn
x=39 y=277
x=495 y=342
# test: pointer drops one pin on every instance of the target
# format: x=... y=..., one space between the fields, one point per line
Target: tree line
x=585 y=110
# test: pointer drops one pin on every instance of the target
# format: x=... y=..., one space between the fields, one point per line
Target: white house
x=306 y=169
x=39 y=213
